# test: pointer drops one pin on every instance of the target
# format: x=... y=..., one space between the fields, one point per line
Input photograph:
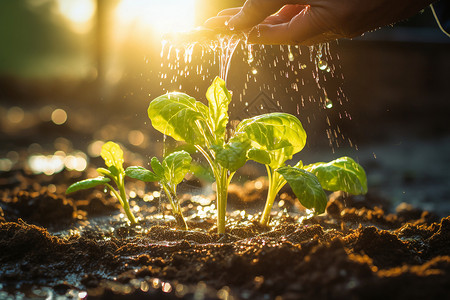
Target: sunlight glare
x=78 y=12
x=162 y=16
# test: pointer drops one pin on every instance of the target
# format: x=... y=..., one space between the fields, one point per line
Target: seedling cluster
x=270 y=139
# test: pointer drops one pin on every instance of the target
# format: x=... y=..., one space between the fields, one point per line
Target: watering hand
x=312 y=21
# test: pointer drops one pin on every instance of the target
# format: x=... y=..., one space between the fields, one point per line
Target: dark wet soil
x=77 y=247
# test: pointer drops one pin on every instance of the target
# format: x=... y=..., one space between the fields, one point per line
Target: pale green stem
x=115 y=193
x=276 y=182
x=222 y=182
x=221 y=195
x=126 y=206
x=176 y=208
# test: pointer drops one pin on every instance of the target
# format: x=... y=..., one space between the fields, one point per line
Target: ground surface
x=81 y=246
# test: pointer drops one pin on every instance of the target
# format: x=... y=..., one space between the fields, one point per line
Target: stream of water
x=287 y=78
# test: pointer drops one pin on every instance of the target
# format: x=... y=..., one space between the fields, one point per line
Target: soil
x=81 y=246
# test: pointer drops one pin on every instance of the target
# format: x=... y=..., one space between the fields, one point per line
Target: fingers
x=229 y=11
x=217 y=22
x=255 y=11
x=300 y=30
x=289 y=11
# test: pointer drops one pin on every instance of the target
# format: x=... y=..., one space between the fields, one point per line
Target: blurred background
x=74 y=74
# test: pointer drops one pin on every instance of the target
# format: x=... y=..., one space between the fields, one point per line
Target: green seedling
x=185 y=119
x=270 y=139
x=169 y=174
x=113 y=156
x=275 y=138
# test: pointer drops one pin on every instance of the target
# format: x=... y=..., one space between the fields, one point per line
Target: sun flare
x=161 y=16
x=79 y=13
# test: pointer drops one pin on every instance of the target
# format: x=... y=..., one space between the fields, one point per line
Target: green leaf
x=232 y=156
x=113 y=156
x=219 y=98
x=306 y=187
x=258 y=155
x=342 y=174
x=114 y=171
x=141 y=174
x=202 y=172
x=104 y=172
x=177 y=114
x=87 y=184
x=299 y=165
x=157 y=167
x=176 y=165
x=280 y=134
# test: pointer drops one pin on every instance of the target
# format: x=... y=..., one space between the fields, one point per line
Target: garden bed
x=82 y=246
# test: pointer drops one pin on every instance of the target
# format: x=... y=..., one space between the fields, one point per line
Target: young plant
x=113 y=156
x=270 y=139
x=185 y=119
x=169 y=174
x=275 y=138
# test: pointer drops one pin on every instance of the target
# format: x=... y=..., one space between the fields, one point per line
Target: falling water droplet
x=302 y=66
x=322 y=64
x=328 y=69
x=254 y=71
x=250 y=57
x=290 y=55
x=328 y=103
x=258 y=33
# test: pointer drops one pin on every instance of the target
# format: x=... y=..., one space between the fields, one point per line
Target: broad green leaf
x=342 y=174
x=258 y=155
x=87 y=184
x=178 y=115
x=176 y=165
x=280 y=134
x=232 y=155
x=113 y=155
x=142 y=174
x=157 y=167
x=306 y=187
x=219 y=98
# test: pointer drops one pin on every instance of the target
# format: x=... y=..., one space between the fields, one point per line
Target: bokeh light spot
x=59 y=116
x=136 y=137
x=15 y=115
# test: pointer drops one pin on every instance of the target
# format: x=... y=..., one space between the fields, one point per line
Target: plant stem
x=126 y=206
x=176 y=208
x=221 y=195
x=222 y=182
x=276 y=182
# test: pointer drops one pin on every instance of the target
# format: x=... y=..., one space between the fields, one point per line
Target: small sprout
x=270 y=139
x=185 y=119
x=112 y=154
x=169 y=174
x=276 y=137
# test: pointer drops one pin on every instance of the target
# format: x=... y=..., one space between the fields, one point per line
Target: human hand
x=308 y=22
